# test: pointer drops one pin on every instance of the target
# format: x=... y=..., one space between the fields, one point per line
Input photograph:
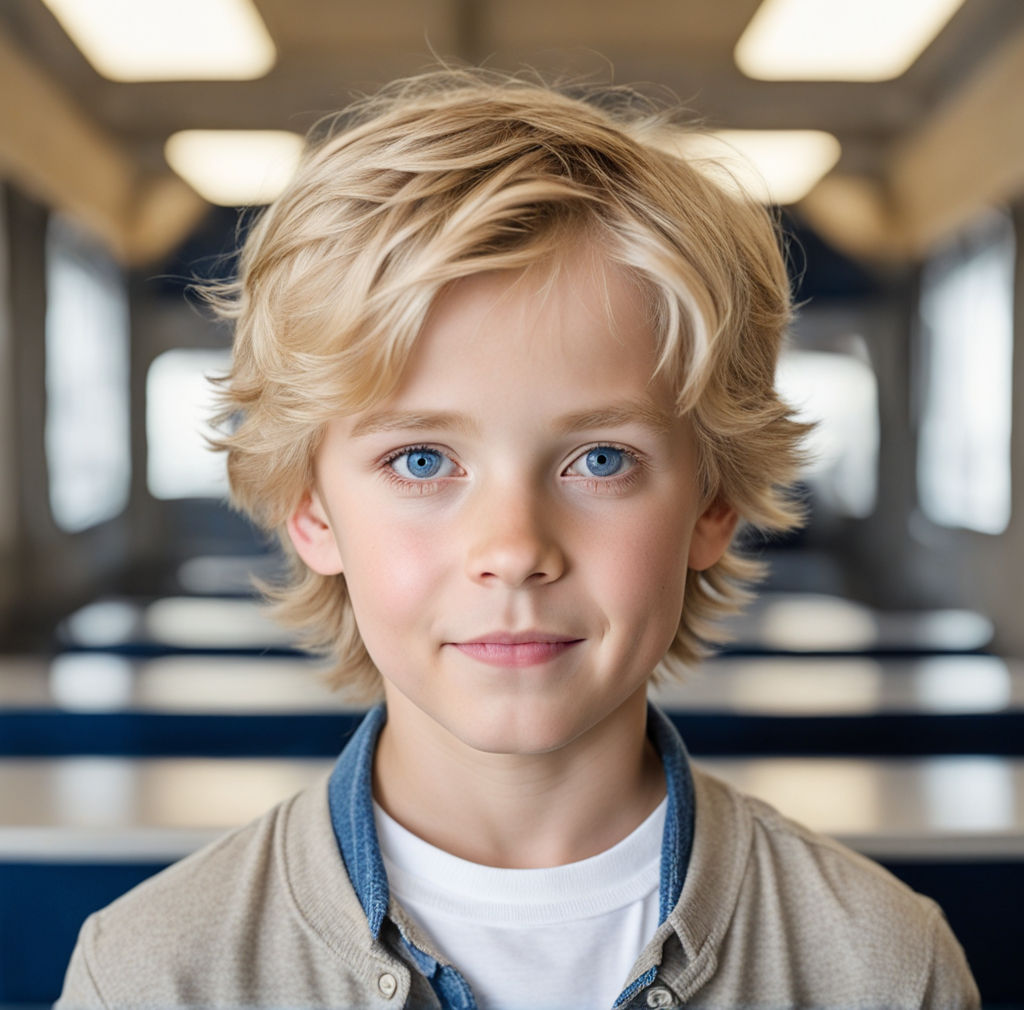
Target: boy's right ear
x=310 y=532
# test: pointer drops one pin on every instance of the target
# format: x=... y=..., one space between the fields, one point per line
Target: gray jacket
x=770 y=915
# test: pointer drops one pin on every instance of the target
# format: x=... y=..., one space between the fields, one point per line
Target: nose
x=513 y=542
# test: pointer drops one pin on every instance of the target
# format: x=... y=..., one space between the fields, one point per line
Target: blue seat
x=264 y=706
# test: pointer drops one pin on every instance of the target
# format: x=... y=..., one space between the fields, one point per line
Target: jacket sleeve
x=80 y=990
x=949 y=984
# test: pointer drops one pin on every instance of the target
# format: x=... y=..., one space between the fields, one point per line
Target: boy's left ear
x=712 y=534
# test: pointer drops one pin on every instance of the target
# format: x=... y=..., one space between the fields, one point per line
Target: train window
x=966 y=345
x=179 y=403
x=88 y=449
x=839 y=392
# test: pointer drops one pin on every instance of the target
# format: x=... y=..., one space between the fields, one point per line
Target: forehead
x=569 y=339
x=572 y=306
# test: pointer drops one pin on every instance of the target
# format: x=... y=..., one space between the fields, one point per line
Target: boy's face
x=516 y=522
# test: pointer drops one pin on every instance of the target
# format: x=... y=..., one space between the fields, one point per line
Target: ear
x=311 y=535
x=712 y=534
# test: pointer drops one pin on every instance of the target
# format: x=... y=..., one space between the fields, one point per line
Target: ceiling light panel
x=839 y=40
x=772 y=166
x=169 y=40
x=235 y=168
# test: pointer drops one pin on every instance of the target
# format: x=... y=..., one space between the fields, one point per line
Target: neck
x=518 y=810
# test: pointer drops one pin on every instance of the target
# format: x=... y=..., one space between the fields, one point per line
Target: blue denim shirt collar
x=350 y=797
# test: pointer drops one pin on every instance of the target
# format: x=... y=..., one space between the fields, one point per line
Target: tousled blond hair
x=455 y=173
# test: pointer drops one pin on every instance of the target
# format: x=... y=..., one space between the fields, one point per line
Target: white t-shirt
x=544 y=939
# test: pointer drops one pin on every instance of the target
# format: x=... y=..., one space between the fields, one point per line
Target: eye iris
x=604 y=462
x=424 y=464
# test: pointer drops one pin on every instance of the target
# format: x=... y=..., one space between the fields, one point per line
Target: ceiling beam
x=467 y=17
x=56 y=154
x=968 y=156
x=53 y=151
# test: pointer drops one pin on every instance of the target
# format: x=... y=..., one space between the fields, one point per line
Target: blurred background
x=875 y=691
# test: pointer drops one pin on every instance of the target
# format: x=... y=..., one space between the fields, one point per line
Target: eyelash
x=598 y=485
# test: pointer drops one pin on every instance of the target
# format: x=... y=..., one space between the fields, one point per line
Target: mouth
x=517 y=649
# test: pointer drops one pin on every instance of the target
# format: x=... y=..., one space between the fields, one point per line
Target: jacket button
x=387 y=984
x=658 y=997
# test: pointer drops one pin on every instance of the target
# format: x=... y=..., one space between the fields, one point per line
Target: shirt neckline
x=419 y=872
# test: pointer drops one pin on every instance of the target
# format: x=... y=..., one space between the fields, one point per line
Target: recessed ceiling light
x=839 y=40
x=235 y=168
x=161 y=40
x=773 y=166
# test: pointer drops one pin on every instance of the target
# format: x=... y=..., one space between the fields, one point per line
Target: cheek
x=644 y=569
x=392 y=572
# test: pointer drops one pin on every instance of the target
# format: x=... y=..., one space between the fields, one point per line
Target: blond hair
x=458 y=172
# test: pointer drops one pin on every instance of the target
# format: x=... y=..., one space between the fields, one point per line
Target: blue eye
x=604 y=461
x=421 y=464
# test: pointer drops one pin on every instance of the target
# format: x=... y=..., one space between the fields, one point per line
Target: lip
x=517 y=649
x=519 y=638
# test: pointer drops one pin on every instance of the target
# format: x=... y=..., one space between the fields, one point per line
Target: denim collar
x=350 y=797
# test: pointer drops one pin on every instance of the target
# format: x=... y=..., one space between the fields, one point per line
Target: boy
x=503 y=378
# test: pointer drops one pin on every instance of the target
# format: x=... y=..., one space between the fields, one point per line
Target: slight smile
x=526 y=648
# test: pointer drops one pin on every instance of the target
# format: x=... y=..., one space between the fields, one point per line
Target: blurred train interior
x=875 y=690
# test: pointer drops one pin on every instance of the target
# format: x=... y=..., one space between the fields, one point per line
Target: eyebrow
x=637 y=412
x=411 y=420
